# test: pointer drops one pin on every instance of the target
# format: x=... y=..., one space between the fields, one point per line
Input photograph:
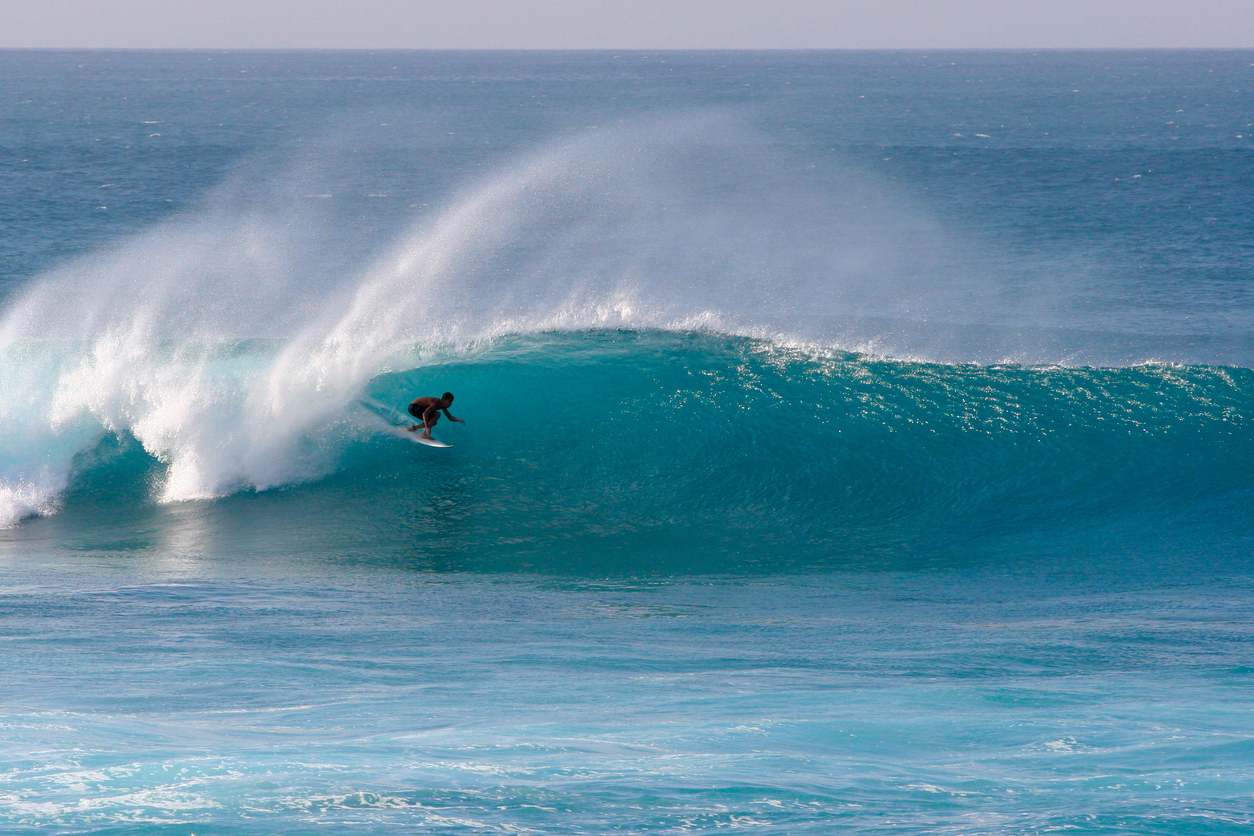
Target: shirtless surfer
x=427 y=410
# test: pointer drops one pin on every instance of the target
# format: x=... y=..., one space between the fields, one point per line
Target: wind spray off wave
x=212 y=340
x=228 y=345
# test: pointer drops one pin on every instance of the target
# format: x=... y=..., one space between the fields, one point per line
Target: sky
x=626 y=24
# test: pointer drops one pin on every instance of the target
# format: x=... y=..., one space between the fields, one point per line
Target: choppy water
x=854 y=442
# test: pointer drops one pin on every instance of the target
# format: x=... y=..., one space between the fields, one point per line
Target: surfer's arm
x=449 y=416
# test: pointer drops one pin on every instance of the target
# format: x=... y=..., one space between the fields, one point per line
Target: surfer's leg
x=417 y=414
x=427 y=425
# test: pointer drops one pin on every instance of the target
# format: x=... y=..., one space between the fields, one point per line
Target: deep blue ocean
x=854 y=443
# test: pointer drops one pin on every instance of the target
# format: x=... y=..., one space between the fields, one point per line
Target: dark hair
x=448 y=396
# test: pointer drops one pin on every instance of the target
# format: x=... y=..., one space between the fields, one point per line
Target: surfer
x=427 y=410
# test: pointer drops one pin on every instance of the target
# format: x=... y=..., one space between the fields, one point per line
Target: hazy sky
x=626 y=24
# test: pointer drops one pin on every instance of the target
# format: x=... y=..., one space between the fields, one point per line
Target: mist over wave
x=225 y=344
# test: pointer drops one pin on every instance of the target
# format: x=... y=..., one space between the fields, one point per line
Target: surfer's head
x=447 y=397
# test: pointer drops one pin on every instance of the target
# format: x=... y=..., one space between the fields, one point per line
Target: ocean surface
x=854 y=443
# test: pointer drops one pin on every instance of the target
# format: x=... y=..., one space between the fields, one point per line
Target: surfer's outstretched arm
x=450 y=416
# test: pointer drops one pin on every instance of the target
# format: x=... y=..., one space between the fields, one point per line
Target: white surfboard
x=416 y=435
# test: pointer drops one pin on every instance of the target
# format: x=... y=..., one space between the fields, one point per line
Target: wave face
x=613 y=450
x=664 y=444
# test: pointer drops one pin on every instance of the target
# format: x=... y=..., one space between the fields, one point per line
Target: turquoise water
x=854 y=443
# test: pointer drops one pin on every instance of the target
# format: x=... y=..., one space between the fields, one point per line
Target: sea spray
x=235 y=360
x=607 y=230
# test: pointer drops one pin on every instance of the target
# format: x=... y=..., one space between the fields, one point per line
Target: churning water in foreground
x=854 y=443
